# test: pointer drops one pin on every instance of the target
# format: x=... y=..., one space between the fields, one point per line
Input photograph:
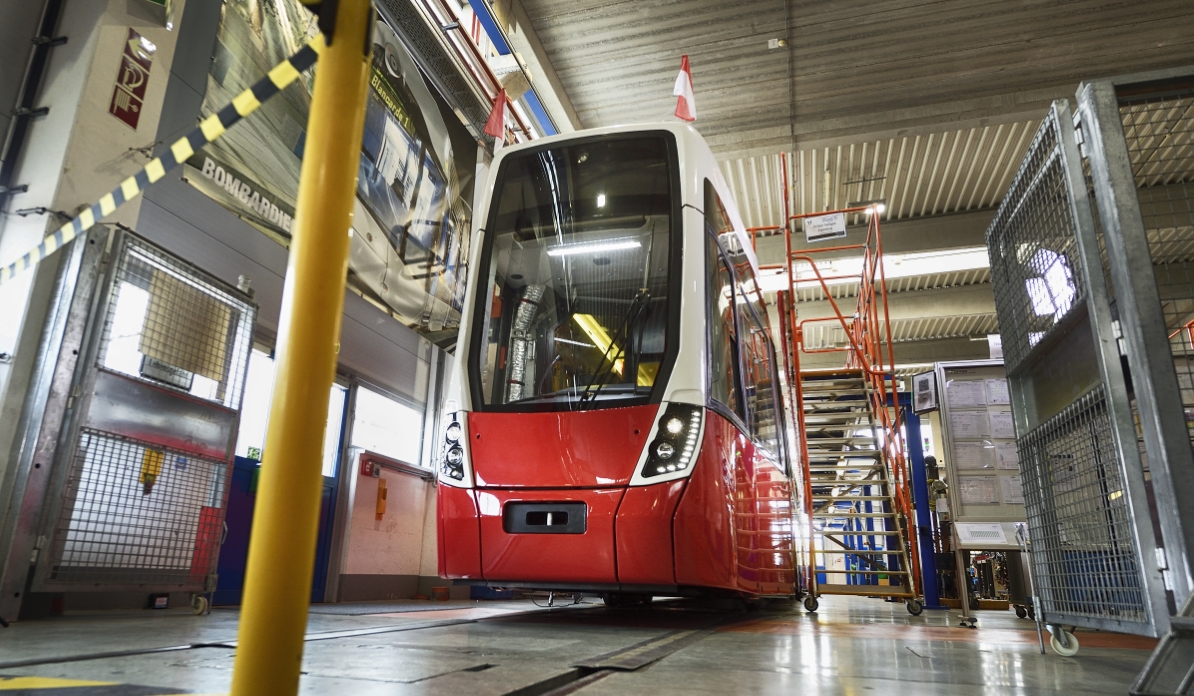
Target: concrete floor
x=852 y=646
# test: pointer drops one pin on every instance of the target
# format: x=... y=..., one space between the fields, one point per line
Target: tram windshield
x=573 y=306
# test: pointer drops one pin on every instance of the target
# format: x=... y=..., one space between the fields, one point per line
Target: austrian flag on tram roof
x=685 y=102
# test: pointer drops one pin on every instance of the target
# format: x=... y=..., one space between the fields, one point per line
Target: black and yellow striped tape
x=211 y=128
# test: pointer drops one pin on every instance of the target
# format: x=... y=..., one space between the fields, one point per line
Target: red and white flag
x=685 y=102
x=496 y=125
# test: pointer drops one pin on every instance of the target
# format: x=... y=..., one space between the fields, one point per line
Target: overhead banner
x=413 y=215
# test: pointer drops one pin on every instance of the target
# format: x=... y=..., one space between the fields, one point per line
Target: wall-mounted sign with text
x=822 y=227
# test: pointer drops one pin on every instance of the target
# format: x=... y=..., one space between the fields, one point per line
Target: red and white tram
x=611 y=421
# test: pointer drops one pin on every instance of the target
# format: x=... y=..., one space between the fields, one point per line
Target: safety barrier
x=211 y=128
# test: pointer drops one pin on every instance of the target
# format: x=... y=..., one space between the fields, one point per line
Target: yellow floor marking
x=15 y=683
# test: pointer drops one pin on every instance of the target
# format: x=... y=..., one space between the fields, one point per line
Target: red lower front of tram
x=553 y=509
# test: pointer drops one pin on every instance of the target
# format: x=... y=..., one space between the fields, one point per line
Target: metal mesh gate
x=141 y=514
x=1033 y=250
x=170 y=324
x=1139 y=134
x=1159 y=133
x=1083 y=482
x=143 y=488
x=1081 y=530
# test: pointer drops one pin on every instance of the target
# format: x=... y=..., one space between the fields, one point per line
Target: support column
x=282 y=546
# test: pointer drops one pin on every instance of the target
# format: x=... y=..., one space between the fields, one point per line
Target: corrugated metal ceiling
x=948 y=172
x=928 y=105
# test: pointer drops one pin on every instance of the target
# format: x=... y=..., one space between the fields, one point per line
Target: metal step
x=862 y=590
x=828 y=456
x=850 y=498
x=864 y=572
x=853 y=515
x=843 y=427
x=838 y=382
x=829 y=441
x=862 y=552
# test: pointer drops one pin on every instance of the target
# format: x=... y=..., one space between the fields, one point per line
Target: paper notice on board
x=1006 y=456
x=964 y=393
x=1011 y=490
x=968 y=425
x=973 y=455
x=1002 y=425
x=978 y=490
x=977 y=533
x=997 y=393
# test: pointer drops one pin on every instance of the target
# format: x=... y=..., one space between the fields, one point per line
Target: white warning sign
x=822 y=227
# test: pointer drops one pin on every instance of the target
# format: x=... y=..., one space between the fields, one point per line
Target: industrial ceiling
x=929 y=106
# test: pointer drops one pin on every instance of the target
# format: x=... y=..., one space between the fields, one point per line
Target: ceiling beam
x=934 y=233
x=967 y=300
x=936 y=350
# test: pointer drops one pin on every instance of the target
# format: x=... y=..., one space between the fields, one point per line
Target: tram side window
x=757 y=378
x=723 y=343
x=758 y=381
x=724 y=379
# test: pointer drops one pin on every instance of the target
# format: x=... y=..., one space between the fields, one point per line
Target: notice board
x=986 y=497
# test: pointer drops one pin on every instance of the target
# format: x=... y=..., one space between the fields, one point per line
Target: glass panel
x=254 y=411
x=723 y=343
x=389 y=428
x=255 y=407
x=577 y=275
x=331 y=436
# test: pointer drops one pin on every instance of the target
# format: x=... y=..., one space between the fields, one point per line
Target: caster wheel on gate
x=1022 y=612
x=914 y=607
x=198 y=605
x=1032 y=613
x=811 y=604
x=1067 y=651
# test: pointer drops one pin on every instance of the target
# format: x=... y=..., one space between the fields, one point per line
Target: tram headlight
x=453 y=460
x=676 y=443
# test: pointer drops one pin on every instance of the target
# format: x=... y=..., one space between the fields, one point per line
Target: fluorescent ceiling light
x=570 y=342
x=601 y=200
x=849 y=269
x=593 y=247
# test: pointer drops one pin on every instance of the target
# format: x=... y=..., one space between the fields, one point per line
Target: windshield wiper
x=635 y=312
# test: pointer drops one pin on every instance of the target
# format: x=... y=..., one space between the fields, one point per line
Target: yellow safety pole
x=282 y=546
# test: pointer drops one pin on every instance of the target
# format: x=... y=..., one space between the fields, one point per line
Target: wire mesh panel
x=1081 y=474
x=1160 y=138
x=143 y=488
x=1082 y=542
x=1031 y=242
x=140 y=514
x=169 y=324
